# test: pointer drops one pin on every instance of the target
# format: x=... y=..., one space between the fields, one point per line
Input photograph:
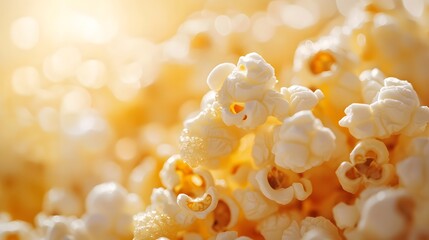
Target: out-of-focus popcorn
x=311 y=228
x=395 y=109
x=414 y=170
x=109 y=211
x=60 y=201
x=327 y=65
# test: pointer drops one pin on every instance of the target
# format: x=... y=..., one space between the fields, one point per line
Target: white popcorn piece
x=110 y=210
x=61 y=201
x=263 y=143
x=241 y=95
x=276 y=104
x=395 y=109
x=386 y=214
x=253 y=204
x=199 y=207
x=345 y=216
x=273 y=226
x=282 y=187
x=369 y=166
x=17 y=230
x=166 y=201
x=302 y=142
x=311 y=228
x=413 y=171
x=371 y=82
x=218 y=75
x=60 y=227
x=206 y=139
x=301 y=98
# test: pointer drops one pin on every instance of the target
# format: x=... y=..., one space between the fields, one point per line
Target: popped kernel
x=272 y=227
x=282 y=187
x=413 y=171
x=253 y=204
x=199 y=207
x=395 y=109
x=301 y=98
x=326 y=64
x=369 y=165
x=242 y=92
x=166 y=200
x=154 y=224
x=311 y=228
x=225 y=215
x=386 y=214
x=206 y=139
x=178 y=176
x=302 y=142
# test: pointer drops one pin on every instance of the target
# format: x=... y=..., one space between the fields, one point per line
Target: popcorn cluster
x=296 y=133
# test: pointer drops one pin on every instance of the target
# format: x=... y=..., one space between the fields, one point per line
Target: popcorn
x=60 y=201
x=166 y=201
x=201 y=206
x=302 y=142
x=301 y=98
x=176 y=175
x=154 y=224
x=206 y=139
x=369 y=166
x=253 y=204
x=258 y=156
x=59 y=227
x=327 y=65
x=282 y=187
x=395 y=109
x=273 y=226
x=241 y=93
x=414 y=170
x=110 y=211
x=311 y=228
x=226 y=214
x=385 y=215
x=16 y=230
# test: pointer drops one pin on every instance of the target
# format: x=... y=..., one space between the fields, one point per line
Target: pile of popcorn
x=330 y=140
